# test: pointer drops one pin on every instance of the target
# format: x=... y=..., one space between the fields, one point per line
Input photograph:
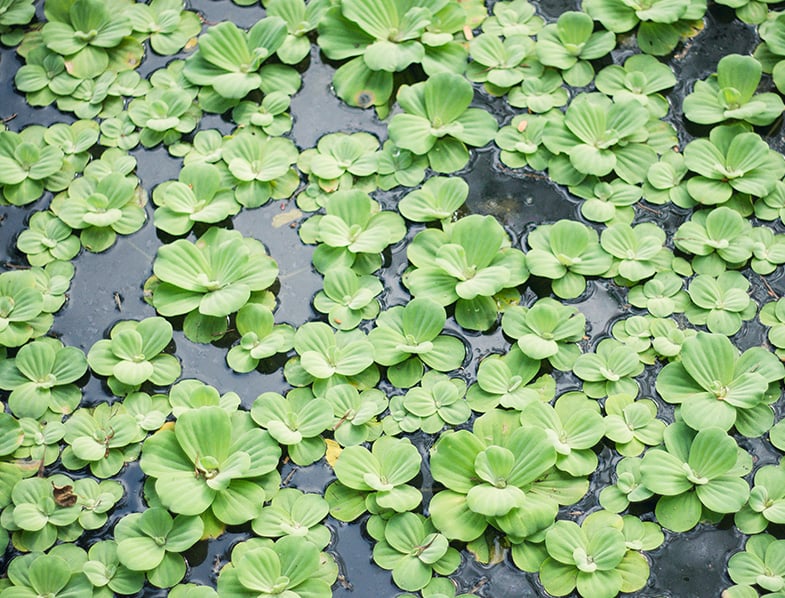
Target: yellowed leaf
x=333 y=451
x=191 y=44
x=285 y=218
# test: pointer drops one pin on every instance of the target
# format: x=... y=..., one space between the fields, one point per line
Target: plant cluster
x=389 y=391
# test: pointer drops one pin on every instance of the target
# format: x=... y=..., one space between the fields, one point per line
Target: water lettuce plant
x=42 y=378
x=541 y=94
x=353 y=232
x=375 y=480
x=546 y=330
x=23 y=312
x=600 y=136
x=407 y=337
x=291 y=566
x=163 y=115
x=438 y=199
x=694 y=472
x=772 y=314
x=295 y=421
x=610 y=370
x=467 y=263
x=641 y=77
x=501 y=64
x=104 y=438
x=732 y=159
x=515 y=17
x=717 y=387
x=167 y=23
x=570 y=43
x=607 y=203
x=355 y=413
x=260 y=338
x=566 y=252
x=574 y=426
x=720 y=302
x=491 y=476
x=718 y=238
x=100 y=208
x=107 y=574
x=627 y=489
x=193 y=394
x=638 y=251
x=301 y=19
x=438 y=122
x=262 y=167
x=27 y=162
x=593 y=558
x=382 y=37
x=270 y=116
x=325 y=354
x=152 y=541
x=662 y=24
x=730 y=95
x=340 y=159
x=208 y=280
x=414 y=550
x=632 y=424
x=85 y=32
x=38 y=515
x=398 y=166
x=436 y=402
x=198 y=195
x=294 y=513
x=57 y=573
x=348 y=298
x=229 y=60
x=211 y=460
x=15 y=13
x=47 y=239
x=506 y=380
x=771 y=50
x=41 y=439
x=521 y=142
x=133 y=354
x=766 y=503
x=760 y=564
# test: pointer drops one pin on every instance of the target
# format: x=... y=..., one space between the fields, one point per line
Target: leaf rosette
x=213 y=461
x=210 y=279
x=133 y=354
x=467 y=264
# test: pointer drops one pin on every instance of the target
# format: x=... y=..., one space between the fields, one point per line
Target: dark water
x=108 y=287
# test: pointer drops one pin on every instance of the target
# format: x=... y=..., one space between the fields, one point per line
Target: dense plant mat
x=436 y=298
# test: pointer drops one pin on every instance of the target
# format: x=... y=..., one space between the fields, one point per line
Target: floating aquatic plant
x=210 y=279
x=414 y=550
x=290 y=566
x=695 y=471
x=133 y=354
x=42 y=378
x=295 y=421
x=214 y=461
x=438 y=122
x=730 y=95
x=152 y=541
x=406 y=337
x=466 y=264
x=717 y=387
